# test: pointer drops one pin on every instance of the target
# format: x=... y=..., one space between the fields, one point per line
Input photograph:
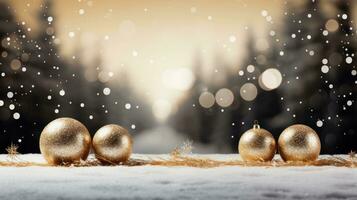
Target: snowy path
x=148 y=182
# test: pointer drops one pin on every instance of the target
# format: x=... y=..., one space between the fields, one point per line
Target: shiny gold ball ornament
x=112 y=144
x=257 y=144
x=65 y=140
x=299 y=143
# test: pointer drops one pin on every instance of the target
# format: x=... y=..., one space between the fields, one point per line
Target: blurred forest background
x=310 y=56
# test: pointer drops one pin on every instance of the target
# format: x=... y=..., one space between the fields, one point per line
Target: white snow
x=154 y=182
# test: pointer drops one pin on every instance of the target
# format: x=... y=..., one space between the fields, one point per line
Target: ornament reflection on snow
x=257 y=144
x=299 y=143
x=112 y=144
x=65 y=140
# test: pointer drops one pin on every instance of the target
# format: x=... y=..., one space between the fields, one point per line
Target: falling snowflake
x=128 y=106
x=62 y=92
x=319 y=123
x=106 y=91
x=16 y=115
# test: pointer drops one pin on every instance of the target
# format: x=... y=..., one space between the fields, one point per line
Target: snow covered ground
x=155 y=182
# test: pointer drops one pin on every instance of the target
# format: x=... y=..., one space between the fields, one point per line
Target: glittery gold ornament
x=299 y=143
x=112 y=144
x=65 y=140
x=257 y=144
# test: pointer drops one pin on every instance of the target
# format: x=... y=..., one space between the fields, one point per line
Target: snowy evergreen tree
x=9 y=67
x=243 y=113
x=266 y=106
x=191 y=118
x=300 y=56
x=339 y=120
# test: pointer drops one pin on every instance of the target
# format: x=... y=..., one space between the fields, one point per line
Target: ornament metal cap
x=256 y=125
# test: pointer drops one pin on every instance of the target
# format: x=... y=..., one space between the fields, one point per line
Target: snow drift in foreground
x=155 y=182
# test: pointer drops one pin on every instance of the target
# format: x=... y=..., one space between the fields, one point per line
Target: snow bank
x=154 y=182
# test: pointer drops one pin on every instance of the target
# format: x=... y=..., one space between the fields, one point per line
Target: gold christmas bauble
x=299 y=143
x=112 y=144
x=65 y=140
x=257 y=144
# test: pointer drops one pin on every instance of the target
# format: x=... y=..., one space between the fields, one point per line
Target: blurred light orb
x=331 y=25
x=2 y=103
x=248 y=92
x=4 y=54
x=15 y=64
x=135 y=53
x=264 y=13
x=128 y=106
x=354 y=72
x=16 y=115
x=179 y=78
x=344 y=16
x=193 y=9
x=57 y=41
x=206 y=99
x=62 y=92
x=103 y=77
x=324 y=69
x=349 y=103
x=224 y=97
x=260 y=82
x=271 y=79
x=250 y=68
x=348 y=60
x=81 y=11
x=10 y=95
x=319 y=123
x=71 y=34
x=106 y=91
x=232 y=38
x=161 y=109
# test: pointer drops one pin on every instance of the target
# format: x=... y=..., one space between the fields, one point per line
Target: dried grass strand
x=182 y=157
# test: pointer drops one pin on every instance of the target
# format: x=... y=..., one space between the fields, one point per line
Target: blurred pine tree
x=340 y=127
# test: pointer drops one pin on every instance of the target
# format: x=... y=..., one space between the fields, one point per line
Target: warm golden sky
x=146 y=38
